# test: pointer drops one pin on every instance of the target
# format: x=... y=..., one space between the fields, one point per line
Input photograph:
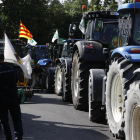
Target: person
x=52 y=65
x=38 y=72
x=9 y=101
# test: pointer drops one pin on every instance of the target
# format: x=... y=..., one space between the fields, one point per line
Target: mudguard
x=97 y=76
x=86 y=54
x=125 y=52
x=44 y=62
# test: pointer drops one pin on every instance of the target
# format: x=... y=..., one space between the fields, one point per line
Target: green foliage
x=114 y=5
x=43 y=17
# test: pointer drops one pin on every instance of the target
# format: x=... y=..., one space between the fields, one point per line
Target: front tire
x=58 y=80
x=50 y=80
x=66 y=91
x=119 y=77
x=132 y=114
x=45 y=69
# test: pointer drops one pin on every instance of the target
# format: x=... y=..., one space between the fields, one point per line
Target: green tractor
x=24 y=85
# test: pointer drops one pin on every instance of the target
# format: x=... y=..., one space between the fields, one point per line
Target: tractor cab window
x=103 y=33
x=87 y=35
x=124 y=33
x=136 y=35
x=65 y=49
x=40 y=53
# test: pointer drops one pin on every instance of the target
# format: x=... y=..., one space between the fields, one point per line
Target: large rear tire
x=45 y=69
x=66 y=91
x=50 y=80
x=58 y=80
x=132 y=113
x=119 y=77
x=79 y=81
x=96 y=114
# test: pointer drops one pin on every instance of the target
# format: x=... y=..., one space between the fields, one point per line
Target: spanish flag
x=24 y=32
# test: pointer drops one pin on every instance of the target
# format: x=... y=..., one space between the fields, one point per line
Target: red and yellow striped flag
x=24 y=32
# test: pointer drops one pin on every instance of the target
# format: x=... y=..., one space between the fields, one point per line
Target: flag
x=82 y=26
x=32 y=42
x=55 y=36
x=24 y=32
x=12 y=57
x=119 y=2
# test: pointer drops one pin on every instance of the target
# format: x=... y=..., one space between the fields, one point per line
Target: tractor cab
x=98 y=26
x=18 y=45
x=36 y=52
x=68 y=47
x=54 y=51
x=128 y=32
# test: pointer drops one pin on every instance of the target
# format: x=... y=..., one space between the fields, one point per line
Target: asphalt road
x=46 y=117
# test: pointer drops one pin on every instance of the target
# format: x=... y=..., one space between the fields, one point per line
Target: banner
x=12 y=57
x=55 y=36
x=60 y=41
x=82 y=26
x=32 y=42
x=24 y=32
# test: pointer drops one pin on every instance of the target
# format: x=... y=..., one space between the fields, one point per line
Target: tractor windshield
x=136 y=35
x=40 y=53
x=104 y=36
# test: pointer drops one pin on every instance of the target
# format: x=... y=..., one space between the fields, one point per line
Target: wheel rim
x=136 y=123
x=47 y=82
x=59 y=79
x=89 y=98
x=116 y=98
x=75 y=82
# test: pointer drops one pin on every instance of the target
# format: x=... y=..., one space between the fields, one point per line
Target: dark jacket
x=8 y=80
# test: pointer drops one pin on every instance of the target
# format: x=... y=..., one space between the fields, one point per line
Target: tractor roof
x=128 y=6
x=69 y=40
x=41 y=46
x=100 y=14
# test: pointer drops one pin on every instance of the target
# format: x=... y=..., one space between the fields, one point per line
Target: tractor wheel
x=20 y=74
x=50 y=80
x=132 y=113
x=66 y=91
x=119 y=77
x=96 y=114
x=21 y=96
x=58 y=80
x=79 y=81
x=45 y=69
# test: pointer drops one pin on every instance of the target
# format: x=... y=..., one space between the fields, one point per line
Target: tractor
x=24 y=89
x=92 y=52
x=39 y=54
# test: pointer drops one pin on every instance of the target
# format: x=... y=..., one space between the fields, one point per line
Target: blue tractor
x=39 y=54
x=119 y=96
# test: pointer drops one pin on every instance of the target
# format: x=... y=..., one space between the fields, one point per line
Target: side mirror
x=72 y=29
x=98 y=25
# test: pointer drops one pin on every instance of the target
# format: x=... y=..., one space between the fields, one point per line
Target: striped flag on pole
x=24 y=32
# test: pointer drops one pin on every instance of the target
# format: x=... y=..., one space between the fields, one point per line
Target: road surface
x=46 y=117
